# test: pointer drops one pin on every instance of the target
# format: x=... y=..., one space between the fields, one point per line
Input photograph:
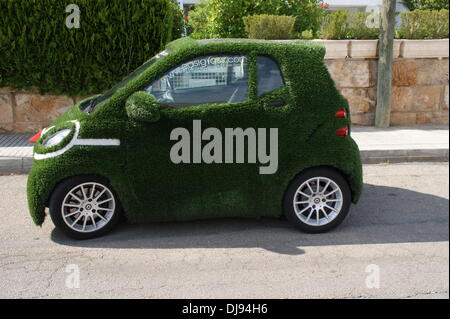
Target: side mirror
x=142 y=106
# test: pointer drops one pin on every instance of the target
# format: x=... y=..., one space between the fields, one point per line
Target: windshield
x=89 y=106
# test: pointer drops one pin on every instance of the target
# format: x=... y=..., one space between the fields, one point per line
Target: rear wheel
x=84 y=207
x=317 y=200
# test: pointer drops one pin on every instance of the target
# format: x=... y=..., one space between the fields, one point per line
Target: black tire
x=56 y=210
x=291 y=195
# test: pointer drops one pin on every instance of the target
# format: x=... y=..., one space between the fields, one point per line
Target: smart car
x=205 y=129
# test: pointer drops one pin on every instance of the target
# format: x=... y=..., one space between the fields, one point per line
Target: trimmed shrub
x=426 y=4
x=307 y=35
x=343 y=24
x=223 y=19
x=115 y=36
x=335 y=25
x=269 y=27
x=423 y=24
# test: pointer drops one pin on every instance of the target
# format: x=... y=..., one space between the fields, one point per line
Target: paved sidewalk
x=402 y=144
x=391 y=145
x=16 y=153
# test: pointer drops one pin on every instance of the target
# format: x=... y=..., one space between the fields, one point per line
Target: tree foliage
x=224 y=19
x=426 y=4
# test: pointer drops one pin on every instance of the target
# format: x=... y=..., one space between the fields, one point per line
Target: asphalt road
x=394 y=244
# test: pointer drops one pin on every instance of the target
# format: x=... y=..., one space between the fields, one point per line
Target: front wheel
x=317 y=200
x=84 y=207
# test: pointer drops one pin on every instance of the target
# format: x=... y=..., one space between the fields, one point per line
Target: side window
x=202 y=80
x=269 y=75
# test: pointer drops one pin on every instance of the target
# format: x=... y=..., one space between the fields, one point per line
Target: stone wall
x=419 y=95
x=420 y=80
x=420 y=86
x=29 y=111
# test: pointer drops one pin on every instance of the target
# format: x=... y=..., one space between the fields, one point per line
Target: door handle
x=276 y=103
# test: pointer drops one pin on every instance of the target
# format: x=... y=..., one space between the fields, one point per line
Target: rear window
x=269 y=75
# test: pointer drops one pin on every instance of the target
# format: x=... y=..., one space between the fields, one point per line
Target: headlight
x=56 y=138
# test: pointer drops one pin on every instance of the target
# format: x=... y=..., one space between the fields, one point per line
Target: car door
x=204 y=92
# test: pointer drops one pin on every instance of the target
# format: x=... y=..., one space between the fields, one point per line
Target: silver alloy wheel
x=318 y=201
x=88 y=207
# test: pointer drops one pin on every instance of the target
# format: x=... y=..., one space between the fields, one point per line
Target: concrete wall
x=420 y=86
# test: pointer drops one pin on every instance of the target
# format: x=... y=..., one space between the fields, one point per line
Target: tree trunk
x=385 y=53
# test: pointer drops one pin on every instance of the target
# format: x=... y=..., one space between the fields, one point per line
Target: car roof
x=257 y=45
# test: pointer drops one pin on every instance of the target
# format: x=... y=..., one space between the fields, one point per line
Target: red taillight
x=341 y=113
x=36 y=137
x=342 y=131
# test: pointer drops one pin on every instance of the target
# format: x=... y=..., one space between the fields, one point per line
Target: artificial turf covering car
x=151 y=187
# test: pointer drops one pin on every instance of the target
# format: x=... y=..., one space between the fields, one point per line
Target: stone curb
x=22 y=165
x=400 y=156
x=15 y=165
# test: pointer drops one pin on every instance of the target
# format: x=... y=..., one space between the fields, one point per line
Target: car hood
x=74 y=113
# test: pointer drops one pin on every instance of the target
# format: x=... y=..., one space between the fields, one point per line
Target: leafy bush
x=115 y=36
x=307 y=35
x=198 y=21
x=179 y=23
x=308 y=13
x=268 y=27
x=343 y=24
x=422 y=24
x=336 y=25
x=426 y=4
x=223 y=19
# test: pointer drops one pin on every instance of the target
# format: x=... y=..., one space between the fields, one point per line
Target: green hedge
x=218 y=19
x=115 y=36
x=223 y=19
x=343 y=24
x=424 y=24
x=265 y=26
x=417 y=24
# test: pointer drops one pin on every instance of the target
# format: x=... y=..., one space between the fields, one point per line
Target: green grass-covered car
x=208 y=128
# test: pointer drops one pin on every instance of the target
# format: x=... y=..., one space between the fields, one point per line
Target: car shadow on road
x=383 y=215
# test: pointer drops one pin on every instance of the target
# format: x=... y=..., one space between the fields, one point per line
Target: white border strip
x=97 y=142
x=76 y=141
